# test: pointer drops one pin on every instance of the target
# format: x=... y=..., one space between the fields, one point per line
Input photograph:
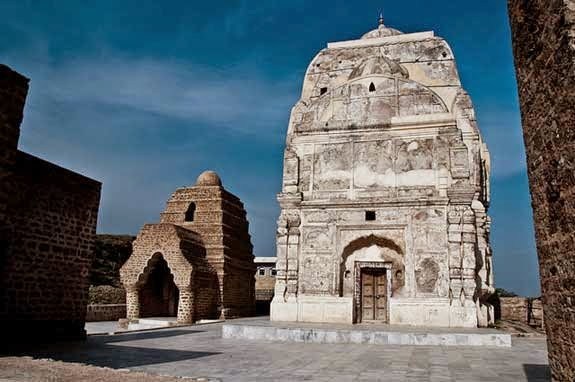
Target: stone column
x=185 y=305
x=543 y=34
x=132 y=303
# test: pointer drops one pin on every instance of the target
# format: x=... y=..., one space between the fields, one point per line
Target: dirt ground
x=20 y=369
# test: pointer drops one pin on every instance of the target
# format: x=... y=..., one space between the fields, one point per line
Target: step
x=362 y=336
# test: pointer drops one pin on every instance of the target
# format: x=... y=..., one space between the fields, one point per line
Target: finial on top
x=380 y=21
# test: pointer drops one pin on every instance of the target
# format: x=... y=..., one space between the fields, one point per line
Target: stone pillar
x=293 y=256
x=186 y=306
x=461 y=235
x=544 y=48
x=484 y=266
x=284 y=304
x=132 y=303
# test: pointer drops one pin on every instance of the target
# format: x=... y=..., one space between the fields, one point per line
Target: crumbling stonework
x=197 y=262
x=385 y=190
x=544 y=47
x=47 y=227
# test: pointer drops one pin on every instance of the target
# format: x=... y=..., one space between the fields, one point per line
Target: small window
x=262 y=272
x=274 y=272
x=371 y=87
x=190 y=212
x=369 y=216
x=322 y=91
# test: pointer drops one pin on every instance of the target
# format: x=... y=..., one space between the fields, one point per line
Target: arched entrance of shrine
x=371 y=270
x=158 y=294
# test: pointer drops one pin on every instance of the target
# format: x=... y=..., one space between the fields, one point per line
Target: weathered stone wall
x=105 y=312
x=13 y=91
x=544 y=48
x=47 y=228
x=522 y=309
x=106 y=294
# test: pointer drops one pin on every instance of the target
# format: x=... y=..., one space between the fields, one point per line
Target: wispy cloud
x=226 y=98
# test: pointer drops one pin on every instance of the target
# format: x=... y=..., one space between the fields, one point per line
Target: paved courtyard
x=199 y=351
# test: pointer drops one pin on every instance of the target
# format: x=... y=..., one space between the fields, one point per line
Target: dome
x=381 y=31
x=209 y=178
x=379 y=65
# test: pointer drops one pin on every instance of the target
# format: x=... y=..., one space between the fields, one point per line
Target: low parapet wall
x=105 y=312
x=522 y=309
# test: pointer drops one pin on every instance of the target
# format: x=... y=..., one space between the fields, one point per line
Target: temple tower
x=385 y=190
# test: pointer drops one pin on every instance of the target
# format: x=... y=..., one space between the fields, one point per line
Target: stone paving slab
x=200 y=351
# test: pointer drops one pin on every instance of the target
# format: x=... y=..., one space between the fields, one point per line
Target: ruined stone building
x=47 y=227
x=385 y=190
x=197 y=262
x=544 y=47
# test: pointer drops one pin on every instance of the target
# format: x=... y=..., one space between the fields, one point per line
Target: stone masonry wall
x=48 y=259
x=47 y=227
x=522 y=309
x=544 y=48
x=105 y=312
x=13 y=91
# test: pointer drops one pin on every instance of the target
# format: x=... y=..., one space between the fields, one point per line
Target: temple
x=385 y=190
x=197 y=263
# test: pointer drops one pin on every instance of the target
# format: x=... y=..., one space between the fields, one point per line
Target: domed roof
x=208 y=178
x=381 y=31
x=379 y=65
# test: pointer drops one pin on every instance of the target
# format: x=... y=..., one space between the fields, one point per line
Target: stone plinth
x=391 y=336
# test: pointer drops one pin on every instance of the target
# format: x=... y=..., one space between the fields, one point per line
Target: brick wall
x=544 y=47
x=47 y=230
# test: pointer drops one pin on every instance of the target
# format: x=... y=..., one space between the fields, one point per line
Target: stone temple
x=197 y=263
x=385 y=190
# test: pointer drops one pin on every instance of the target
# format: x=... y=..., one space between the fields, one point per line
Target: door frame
x=358 y=266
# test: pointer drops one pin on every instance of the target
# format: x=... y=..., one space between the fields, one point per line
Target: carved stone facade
x=48 y=220
x=544 y=48
x=385 y=173
x=197 y=262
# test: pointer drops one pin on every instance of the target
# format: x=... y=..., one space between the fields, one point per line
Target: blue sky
x=144 y=96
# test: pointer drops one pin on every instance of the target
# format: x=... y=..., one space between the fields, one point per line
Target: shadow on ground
x=537 y=373
x=115 y=351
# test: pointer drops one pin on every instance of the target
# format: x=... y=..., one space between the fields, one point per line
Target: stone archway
x=390 y=252
x=158 y=295
x=379 y=257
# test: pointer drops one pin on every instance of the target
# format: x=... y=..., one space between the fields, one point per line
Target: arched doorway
x=371 y=270
x=158 y=294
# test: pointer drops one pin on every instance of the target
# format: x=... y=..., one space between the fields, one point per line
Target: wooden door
x=373 y=295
